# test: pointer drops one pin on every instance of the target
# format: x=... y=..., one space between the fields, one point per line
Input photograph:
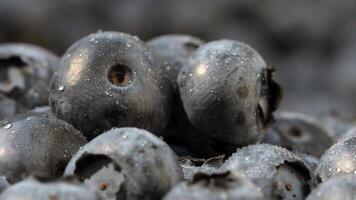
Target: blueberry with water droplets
x=341 y=187
x=192 y=166
x=111 y=79
x=174 y=51
x=215 y=186
x=36 y=143
x=299 y=132
x=34 y=189
x=25 y=72
x=127 y=163
x=279 y=173
x=228 y=92
x=338 y=159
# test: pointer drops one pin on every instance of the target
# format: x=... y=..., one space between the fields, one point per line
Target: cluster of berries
x=171 y=118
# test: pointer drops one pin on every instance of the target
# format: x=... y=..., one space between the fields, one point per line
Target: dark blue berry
x=131 y=163
x=111 y=79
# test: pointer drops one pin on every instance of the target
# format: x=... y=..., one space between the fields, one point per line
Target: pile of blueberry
x=173 y=118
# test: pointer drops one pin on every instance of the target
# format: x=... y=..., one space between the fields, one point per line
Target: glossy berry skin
x=33 y=189
x=338 y=159
x=299 y=132
x=36 y=143
x=228 y=92
x=341 y=187
x=127 y=163
x=110 y=79
x=279 y=173
x=25 y=72
x=215 y=186
x=174 y=51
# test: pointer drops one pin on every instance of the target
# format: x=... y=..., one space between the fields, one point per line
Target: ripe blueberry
x=110 y=79
x=25 y=72
x=36 y=143
x=127 y=163
x=228 y=92
x=33 y=189
x=299 y=132
x=216 y=186
x=174 y=51
x=336 y=188
x=279 y=173
x=338 y=159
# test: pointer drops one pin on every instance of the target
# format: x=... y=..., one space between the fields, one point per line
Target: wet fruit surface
x=127 y=163
x=279 y=173
x=111 y=79
x=338 y=159
x=36 y=143
x=228 y=92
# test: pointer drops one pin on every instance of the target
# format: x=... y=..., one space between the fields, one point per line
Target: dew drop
x=7 y=126
x=61 y=88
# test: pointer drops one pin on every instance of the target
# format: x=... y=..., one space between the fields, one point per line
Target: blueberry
x=192 y=166
x=174 y=51
x=279 y=173
x=127 y=163
x=341 y=187
x=299 y=132
x=33 y=189
x=111 y=79
x=25 y=72
x=338 y=159
x=228 y=92
x=216 y=186
x=36 y=143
